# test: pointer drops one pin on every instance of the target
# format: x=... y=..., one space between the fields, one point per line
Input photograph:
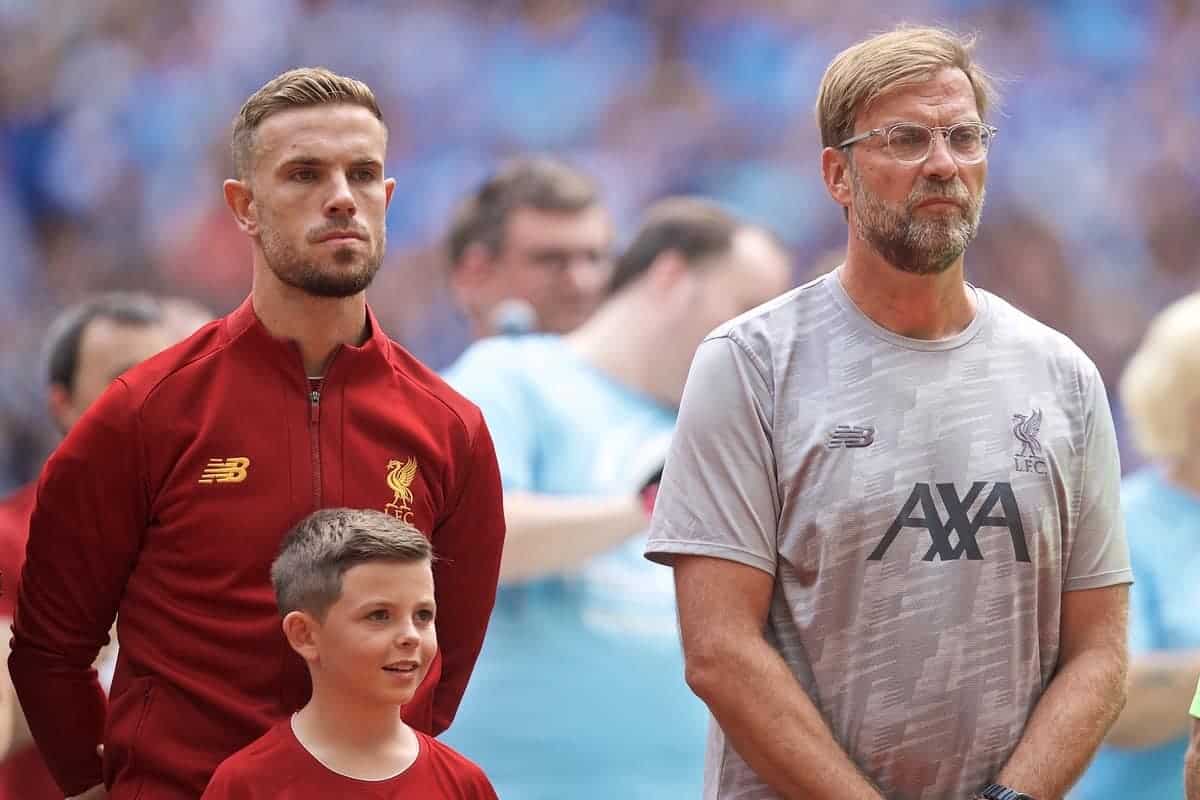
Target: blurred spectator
x=582 y=648
x=87 y=347
x=1143 y=756
x=113 y=121
x=114 y=124
x=529 y=250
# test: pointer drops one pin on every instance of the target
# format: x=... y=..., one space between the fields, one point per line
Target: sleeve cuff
x=663 y=551
x=1113 y=578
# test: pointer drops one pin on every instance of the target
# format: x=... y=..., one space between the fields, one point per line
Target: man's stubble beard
x=918 y=246
x=336 y=280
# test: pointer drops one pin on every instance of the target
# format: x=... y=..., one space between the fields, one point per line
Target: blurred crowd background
x=115 y=119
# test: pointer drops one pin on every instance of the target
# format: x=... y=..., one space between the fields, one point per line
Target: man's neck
x=366 y=742
x=916 y=306
x=318 y=325
x=618 y=341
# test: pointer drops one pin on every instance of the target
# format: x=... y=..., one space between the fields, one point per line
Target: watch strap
x=996 y=791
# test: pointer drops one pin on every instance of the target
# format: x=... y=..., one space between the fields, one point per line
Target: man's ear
x=668 y=271
x=62 y=409
x=475 y=267
x=303 y=632
x=240 y=200
x=835 y=171
x=469 y=279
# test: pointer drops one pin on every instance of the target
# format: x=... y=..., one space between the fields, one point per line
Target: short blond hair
x=1160 y=388
x=322 y=547
x=297 y=88
x=903 y=56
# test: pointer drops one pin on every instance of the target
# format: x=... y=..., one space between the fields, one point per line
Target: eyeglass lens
x=968 y=142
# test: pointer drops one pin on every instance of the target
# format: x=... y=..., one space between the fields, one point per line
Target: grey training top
x=921 y=505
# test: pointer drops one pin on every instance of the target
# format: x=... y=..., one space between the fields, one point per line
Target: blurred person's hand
x=649 y=491
x=647 y=471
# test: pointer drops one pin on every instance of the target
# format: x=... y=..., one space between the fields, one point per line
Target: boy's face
x=378 y=640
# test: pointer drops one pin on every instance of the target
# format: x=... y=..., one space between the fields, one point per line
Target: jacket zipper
x=314 y=430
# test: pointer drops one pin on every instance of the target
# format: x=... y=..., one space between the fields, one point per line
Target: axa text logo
x=997 y=510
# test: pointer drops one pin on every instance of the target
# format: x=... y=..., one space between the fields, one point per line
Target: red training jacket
x=165 y=507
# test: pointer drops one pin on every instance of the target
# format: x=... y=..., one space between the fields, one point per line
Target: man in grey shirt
x=891 y=502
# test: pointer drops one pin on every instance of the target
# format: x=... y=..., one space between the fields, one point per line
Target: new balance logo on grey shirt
x=851 y=436
x=918 y=568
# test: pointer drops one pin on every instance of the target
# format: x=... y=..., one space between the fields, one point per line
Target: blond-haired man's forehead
x=342 y=129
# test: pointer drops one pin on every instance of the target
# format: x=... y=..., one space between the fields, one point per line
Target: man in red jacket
x=87 y=347
x=166 y=503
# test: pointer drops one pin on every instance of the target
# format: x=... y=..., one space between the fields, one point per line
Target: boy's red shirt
x=277 y=767
x=165 y=507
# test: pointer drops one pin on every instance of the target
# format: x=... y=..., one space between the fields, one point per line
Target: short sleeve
x=481 y=787
x=1099 y=553
x=1195 y=711
x=719 y=495
x=484 y=376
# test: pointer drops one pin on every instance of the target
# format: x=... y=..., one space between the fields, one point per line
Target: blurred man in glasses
x=529 y=249
x=891 y=501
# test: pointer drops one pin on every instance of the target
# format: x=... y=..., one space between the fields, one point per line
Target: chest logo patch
x=225 y=470
x=1026 y=428
x=851 y=436
x=399 y=479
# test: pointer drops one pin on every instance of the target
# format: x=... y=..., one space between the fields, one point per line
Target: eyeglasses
x=911 y=143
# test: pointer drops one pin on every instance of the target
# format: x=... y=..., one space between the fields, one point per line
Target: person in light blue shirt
x=1143 y=756
x=579 y=691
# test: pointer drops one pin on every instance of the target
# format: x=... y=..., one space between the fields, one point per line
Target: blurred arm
x=750 y=690
x=549 y=534
x=1083 y=699
x=1160 y=687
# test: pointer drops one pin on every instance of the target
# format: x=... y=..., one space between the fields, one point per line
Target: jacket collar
x=243 y=324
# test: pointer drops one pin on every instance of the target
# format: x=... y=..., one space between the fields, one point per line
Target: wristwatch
x=994 y=791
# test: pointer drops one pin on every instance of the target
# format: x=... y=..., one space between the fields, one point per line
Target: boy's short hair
x=317 y=552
